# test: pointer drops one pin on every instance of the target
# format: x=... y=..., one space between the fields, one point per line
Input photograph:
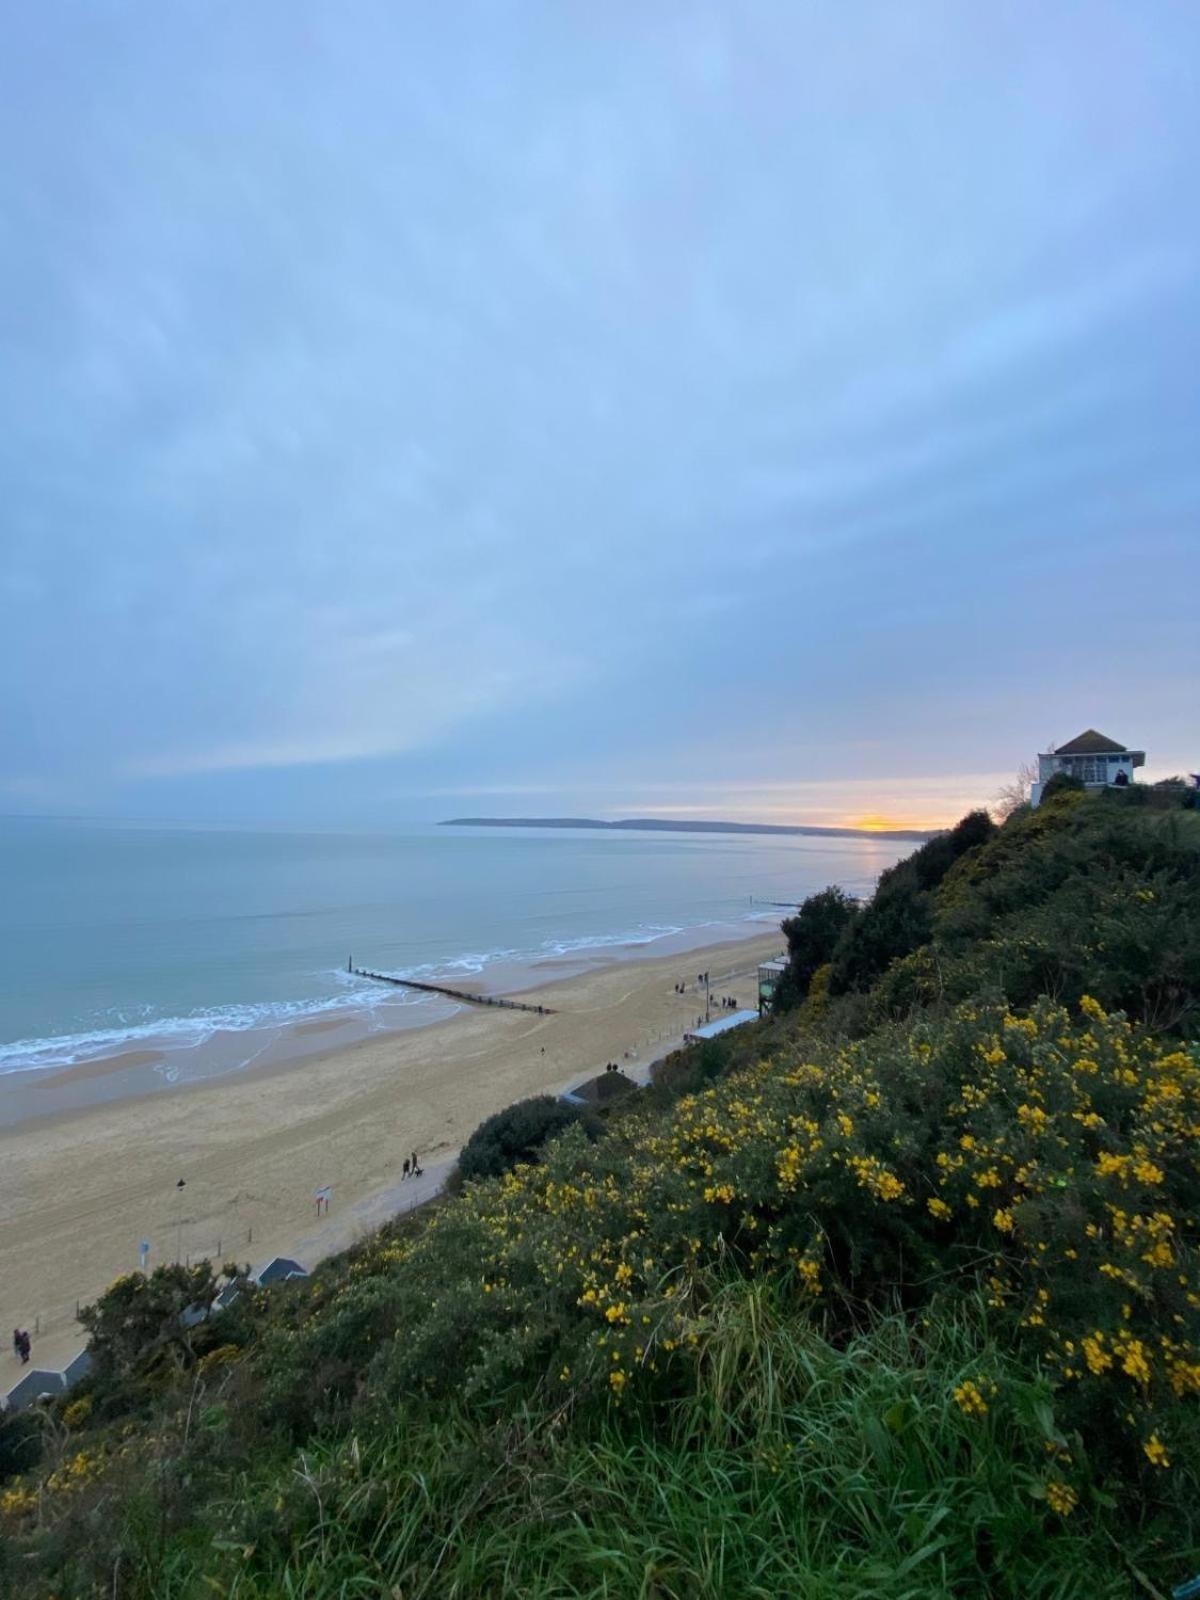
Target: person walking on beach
x=416 y=1169
x=21 y=1345
x=404 y=1170
x=17 y=1342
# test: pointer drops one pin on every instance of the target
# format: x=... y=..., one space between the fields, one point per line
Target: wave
x=351 y=995
x=192 y=1030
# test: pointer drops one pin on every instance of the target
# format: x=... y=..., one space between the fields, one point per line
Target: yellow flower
x=1061 y=1497
x=969 y=1399
x=1133 y=1360
x=938 y=1208
x=810 y=1274
x=1003 y=1220
x=719 y=1192
x=617 y=1380
x=1091 y=1008
x=1156 y=1451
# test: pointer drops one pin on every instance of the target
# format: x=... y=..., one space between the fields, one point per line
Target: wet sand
x=83 y=1184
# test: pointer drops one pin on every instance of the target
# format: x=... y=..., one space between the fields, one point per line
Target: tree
x=1012 y=796
x=900 y=916
x=517 y=1133
x=140 y=1321
x=812 y=936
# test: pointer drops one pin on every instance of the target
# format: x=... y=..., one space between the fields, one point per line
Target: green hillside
x=895 y=1294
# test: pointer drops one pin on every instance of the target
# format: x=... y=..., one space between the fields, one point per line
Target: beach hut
x=769 y=975
x=278 y=1270
x=725 y=1024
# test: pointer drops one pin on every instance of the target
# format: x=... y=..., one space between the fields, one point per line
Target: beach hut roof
x=713 y=1030
x=278 y=1269
x=78 y=1367
x=598 y=1091
x=32 y=1387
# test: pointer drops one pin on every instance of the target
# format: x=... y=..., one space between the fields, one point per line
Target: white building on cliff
x=1094 y=759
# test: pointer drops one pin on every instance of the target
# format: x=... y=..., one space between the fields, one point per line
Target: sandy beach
x=83 y=1186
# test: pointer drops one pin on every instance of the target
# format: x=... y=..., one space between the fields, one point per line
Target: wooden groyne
x=453 y=994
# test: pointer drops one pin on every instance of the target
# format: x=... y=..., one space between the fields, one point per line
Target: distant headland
x=657 y=825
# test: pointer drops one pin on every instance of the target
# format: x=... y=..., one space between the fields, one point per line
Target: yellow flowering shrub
x=1051 y=1163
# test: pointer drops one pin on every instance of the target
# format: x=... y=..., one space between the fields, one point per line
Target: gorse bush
x=794 y=1466
x=160 y=1319
x=517 y=1134
x=1074 y=898
x=899 y=917
x=1052 y=1164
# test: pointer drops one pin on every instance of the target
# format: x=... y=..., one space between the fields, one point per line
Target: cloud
x=645 y=395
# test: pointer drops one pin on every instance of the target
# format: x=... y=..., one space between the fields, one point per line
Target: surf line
x=451 y=994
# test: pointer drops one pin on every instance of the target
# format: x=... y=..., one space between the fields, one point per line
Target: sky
x=785 y=411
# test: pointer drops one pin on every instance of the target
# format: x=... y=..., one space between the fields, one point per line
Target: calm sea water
x=115 y=936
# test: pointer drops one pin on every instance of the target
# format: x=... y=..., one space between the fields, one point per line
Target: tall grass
x=796 y=1467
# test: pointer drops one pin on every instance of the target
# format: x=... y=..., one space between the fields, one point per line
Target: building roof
x=1091 y=743
x=32 y=1387
x=599 y=1090
x=279 y=1267
x=711 y=1030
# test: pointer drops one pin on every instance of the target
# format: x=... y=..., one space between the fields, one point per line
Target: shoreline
x=86 y=1184
x=150 y=1062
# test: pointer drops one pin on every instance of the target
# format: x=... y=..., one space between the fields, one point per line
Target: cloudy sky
x=785 y=410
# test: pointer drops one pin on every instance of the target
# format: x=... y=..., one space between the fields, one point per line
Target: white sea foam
x=193 y=1030
x=353 y=995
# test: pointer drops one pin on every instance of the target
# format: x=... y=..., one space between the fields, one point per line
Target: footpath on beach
x=31 y=1383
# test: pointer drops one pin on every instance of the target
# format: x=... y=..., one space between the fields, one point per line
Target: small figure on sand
x=22 y=1345
x=417 y=1169
x=404 y=1170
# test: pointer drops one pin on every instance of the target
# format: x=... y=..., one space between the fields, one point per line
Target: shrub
x=1062 y=783
x=1050 y=1165
x=517 y=1134
x=812 y=937
x=161 y=1321
x=20 y=1442
x=900 y=916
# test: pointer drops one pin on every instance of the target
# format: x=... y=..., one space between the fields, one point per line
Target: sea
x=197 y=951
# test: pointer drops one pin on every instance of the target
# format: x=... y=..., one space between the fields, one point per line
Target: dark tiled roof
x=1090 y=743
x=607 y=1086
x=280 y=1267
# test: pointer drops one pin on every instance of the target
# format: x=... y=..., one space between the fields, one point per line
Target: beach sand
x=82 y=1187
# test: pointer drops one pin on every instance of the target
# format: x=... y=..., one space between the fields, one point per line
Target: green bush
x=1062 y=783
x=899 y=917
x=20 y=1442
x=161 y=1321
x=517 y=1134
x=812 y=937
